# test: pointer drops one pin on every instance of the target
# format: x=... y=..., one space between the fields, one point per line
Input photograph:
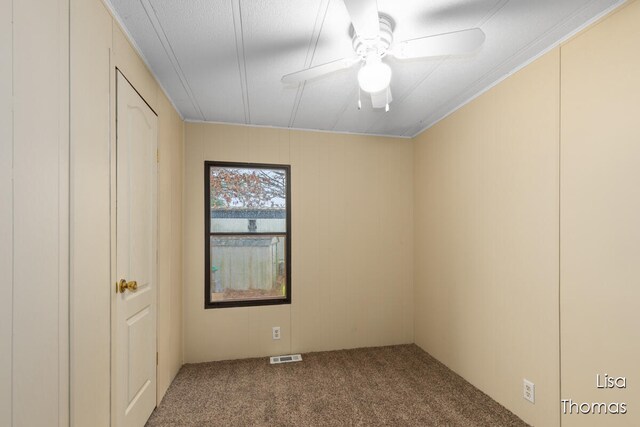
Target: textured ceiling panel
x=276 y=41
x=223 y=60
x=140 y=28
x=203 y=39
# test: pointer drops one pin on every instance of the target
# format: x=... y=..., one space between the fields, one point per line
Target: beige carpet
x=393 y=386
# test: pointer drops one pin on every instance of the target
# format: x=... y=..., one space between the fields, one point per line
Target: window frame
x=208 y=234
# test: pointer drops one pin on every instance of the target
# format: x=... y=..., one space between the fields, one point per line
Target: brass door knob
x=123 y=285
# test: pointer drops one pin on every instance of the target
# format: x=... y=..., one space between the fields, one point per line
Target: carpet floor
x=392 y=386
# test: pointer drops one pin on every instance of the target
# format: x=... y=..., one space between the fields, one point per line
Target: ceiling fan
x=373 y=40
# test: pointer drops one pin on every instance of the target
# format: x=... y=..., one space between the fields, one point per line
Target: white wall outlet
x=529 y=391
x=275 y=332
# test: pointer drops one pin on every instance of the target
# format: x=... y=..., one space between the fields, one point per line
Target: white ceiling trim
x=166 y=45
x=311 y=51
x=116 y=16
x=242 y=63
x=299 y=129
x=518 y=61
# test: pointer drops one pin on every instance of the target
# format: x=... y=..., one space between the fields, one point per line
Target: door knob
x=123 y=285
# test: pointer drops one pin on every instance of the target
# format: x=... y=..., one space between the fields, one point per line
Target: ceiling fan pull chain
x=386 y=107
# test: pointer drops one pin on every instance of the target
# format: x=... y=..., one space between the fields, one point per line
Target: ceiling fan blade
x=381 y=99
x=456 y=43
x=364 y=17
x=320 y=70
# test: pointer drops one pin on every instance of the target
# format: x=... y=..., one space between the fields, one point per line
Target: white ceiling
x=222 y=60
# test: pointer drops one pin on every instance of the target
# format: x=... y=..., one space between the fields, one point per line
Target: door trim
x=113 y=145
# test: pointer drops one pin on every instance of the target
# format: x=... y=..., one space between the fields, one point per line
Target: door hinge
x=157 y=358
x=158 y=156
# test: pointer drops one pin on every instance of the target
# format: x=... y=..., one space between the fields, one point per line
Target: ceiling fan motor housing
x=378 y=45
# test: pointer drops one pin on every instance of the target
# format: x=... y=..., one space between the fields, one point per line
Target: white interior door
x=136 y=224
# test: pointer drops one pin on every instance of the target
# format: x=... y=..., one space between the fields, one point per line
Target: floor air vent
x=286 y=359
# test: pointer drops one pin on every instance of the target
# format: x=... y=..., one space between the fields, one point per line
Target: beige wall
x=170 y=173
x=90 y=33
x=351 y=244
x=600 y=215
x=34 y=213
x=486 y=242
x=527 y=204
x=98 y=46
x=6 y=209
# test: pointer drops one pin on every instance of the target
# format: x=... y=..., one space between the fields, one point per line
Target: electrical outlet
x=275 y=332
x=529 y=391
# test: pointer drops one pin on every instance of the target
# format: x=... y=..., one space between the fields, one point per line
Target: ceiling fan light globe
x=374 y=76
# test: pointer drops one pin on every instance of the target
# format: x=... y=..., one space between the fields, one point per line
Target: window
x=248 y=234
